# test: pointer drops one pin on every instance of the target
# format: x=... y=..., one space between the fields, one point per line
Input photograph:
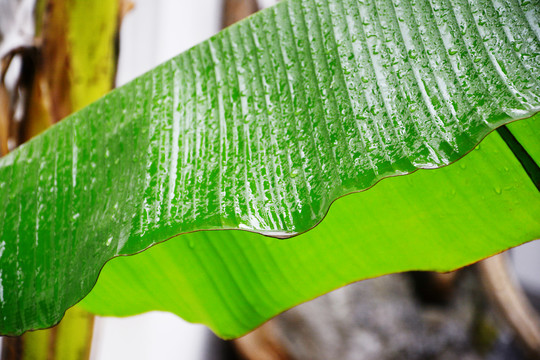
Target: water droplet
x=109 y=241
x=477 y=59
x=295 y=173
x=517 y=45
x=364 y=79
x=477 y=147
x=462 y=165
x=413 y=54
x=452 y=51
x=191 y=243
x=498 y=190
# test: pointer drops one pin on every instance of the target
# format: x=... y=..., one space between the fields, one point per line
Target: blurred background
x=153 y=31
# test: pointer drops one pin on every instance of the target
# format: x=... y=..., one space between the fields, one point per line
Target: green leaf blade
x=261 y=128
x=233 y=281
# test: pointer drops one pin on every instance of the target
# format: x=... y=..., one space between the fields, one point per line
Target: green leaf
x=233 y=281
x=261 y=128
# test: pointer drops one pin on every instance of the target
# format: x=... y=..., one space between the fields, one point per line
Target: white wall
x=157 y=30
x=526 y=260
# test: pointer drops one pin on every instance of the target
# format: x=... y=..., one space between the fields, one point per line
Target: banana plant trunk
x=71 y=64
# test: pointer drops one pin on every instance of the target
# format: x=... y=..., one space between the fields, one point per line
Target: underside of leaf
x=261 y=128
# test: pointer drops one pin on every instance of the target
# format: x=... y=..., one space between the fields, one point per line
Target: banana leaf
x=261 y=128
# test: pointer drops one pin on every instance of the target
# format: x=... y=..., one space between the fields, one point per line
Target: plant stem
x=72 y=64
x=69 y=340
x=510 y=299
x=236 y=10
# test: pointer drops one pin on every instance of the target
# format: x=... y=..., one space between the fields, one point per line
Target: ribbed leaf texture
x=261 y=128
